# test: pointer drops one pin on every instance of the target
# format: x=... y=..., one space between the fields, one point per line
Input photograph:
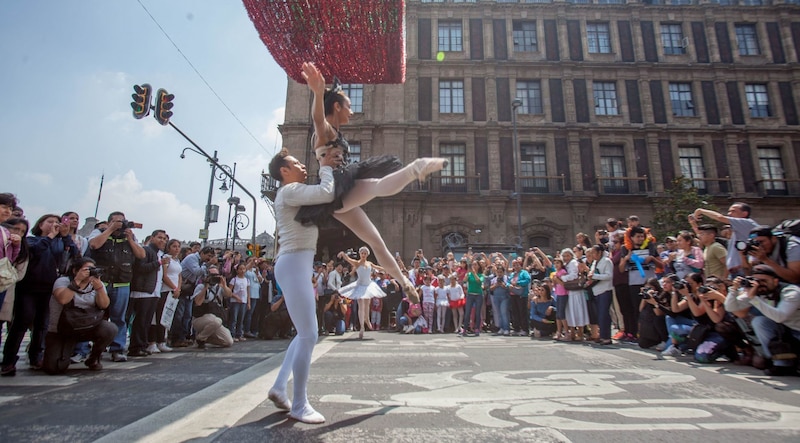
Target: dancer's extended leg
x=367 y=189
x=358 y=222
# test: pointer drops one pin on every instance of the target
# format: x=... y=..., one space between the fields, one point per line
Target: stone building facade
x=613 y=101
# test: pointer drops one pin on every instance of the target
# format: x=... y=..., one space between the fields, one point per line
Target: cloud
x=154 y=208
x=40 y=178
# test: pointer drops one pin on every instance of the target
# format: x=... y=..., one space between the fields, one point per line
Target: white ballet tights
x=363 y=312
x=293 y=272
x=358 y=222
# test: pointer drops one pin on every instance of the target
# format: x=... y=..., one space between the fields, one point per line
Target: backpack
x=785 y=230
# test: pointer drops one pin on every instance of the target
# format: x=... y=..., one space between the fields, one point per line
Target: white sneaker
x=153 y=349
x=661 y=346
x=163 y=347
x=672 y=351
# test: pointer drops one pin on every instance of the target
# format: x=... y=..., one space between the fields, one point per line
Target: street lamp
x=239 y=222
x=514 y=106
x=232 y=202
x=221 y=174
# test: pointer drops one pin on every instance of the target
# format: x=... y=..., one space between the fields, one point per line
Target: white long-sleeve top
x=292 y=235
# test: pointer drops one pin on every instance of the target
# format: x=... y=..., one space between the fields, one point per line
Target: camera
x=680 y=284
x=602 y=232
x=96 y=272
x=747 y=247
x=704 y=289
x=747 y=282
x=351 y=253
x=214 y=279
x=647 y=293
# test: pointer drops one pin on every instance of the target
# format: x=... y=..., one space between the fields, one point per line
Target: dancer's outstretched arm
x=316 y=82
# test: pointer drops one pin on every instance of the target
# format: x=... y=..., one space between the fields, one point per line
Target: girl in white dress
x=364 y=288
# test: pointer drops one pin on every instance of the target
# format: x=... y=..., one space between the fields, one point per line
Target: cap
x=670 y=238
x=318 y=263
x=761 y=231
x=764 y=270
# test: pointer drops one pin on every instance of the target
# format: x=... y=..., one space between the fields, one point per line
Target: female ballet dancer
x=294 y=268
x=357 y=183
x=363 y=290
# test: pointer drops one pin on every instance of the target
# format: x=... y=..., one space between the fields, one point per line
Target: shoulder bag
x=75 y=320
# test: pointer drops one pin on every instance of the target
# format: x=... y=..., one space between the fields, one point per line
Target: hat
x=764 y=270
x=670 y=238
x=761 y=231
x=318 y=263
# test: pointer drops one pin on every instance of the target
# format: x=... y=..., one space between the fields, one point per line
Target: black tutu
x=344 y=178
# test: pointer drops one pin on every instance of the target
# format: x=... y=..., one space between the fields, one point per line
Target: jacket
x=46 y=256
x=145 y=271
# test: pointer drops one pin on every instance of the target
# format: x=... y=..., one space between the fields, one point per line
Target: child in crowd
x=375 y=308
x=442 y=303
x=457 y=301
x=562 y=298
x=428 y=297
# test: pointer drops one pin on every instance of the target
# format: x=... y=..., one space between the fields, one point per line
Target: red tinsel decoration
x=359 y=41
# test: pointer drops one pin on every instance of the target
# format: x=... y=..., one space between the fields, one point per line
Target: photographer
x=679 y=319
x=193 y=270
x=83 y=288
x=334 y=313
x=115 y=249
x=779 y=322
x=278 y=322
x=209 y=315
x=652 y=328
x=782 y=254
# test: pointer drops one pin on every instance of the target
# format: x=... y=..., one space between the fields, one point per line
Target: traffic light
x=251 y=248
x=141 y=100
x=163 y=106
x=259 y=252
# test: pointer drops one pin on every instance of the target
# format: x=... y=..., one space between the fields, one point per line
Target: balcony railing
x=542 y=184
x=783 y=186
x=622 y=185
x=269 y=187
x=455 y=184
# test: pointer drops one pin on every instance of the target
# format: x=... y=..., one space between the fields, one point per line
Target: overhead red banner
x=359 y=41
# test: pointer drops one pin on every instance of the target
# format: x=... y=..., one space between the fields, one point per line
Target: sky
x=68 y=70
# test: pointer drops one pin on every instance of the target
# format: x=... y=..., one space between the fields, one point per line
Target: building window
x=752 y=2
x=451 y=97
x=580 y=1
x=355 y=152
x=530 y=92
x=599 y=38
x=605 y=98
x=524 y=34
x=610 y=2
x=612 y=164
x=672 y=39
x=691 y=161
x=771 y=165
x=680 y=95
x=450 y=38
x=454 y=174
x=356 y=93
x=757 y=99
x=747 y=40
x=533 y=163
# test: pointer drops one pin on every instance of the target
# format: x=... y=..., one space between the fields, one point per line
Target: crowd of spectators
x=726 y=289
x=109 y=293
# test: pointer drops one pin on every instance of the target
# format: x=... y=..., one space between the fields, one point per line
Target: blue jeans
x=501 y=308
x=181 y=328
x=603 y=302
x=248 y=317
x=474 y=301
x=236 y=312
x=119 y=297
x=678 y=328
x=766 y=329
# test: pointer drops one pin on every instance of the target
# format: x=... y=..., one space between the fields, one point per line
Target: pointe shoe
x=361 y=334
x=279 y=400
x=410 y=290
x=422 y=167
x=309 y=416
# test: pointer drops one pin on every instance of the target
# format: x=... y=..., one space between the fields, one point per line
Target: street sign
x=203 y=234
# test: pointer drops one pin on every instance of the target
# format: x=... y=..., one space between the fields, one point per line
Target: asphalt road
x=394 y=387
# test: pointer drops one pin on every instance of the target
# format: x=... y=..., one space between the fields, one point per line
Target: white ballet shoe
x=280 y=400
x=309 y=416
x=422 y=167
x=410 y=290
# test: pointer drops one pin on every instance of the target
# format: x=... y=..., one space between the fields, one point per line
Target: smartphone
x=65 y=220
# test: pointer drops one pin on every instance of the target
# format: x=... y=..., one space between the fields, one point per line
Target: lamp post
x=215 y=174
x=517 y=189
x=239 y=222
x=228 y=229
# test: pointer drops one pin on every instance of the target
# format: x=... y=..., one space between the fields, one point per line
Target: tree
x=671 y=211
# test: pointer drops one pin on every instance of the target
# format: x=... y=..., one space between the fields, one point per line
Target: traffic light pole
x=218 y=166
